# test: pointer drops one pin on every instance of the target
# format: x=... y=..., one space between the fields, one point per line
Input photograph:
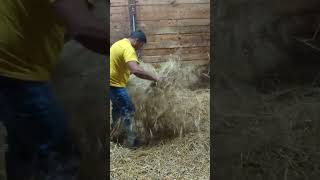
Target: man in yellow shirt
x=123 y=62
x=32 y=34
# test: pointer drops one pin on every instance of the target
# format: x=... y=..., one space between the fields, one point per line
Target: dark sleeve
x=81 y=24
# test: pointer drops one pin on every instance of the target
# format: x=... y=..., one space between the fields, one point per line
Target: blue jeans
x=122 y=108
x=36 y=126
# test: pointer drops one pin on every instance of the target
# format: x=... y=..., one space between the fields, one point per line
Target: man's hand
x=154 y=84
x=157 y=79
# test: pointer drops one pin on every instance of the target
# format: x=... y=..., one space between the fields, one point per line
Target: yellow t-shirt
x=30 y=39
x=121 y=53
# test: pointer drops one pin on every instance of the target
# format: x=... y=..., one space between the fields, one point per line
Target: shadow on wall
x=253 y=42
x=80 y=82
x=255 y=38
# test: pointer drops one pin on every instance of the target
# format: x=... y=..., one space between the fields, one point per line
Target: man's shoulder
x=123 y=44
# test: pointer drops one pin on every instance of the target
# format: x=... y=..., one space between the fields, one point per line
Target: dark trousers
x=122 y=109
x=36 y=125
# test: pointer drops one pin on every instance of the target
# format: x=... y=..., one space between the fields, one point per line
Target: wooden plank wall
x=180 y=27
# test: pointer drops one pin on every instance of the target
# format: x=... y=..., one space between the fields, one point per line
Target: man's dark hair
x=139 y=35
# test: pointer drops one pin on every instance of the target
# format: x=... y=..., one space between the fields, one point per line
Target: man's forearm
x=145 y=75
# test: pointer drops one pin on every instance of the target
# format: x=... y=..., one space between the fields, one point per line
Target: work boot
x=132 y=143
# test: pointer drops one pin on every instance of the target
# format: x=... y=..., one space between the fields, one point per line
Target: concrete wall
x=81 y=82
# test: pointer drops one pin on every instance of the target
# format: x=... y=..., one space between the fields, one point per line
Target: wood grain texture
x=174 y=22
x=168 y=51
x=183 y=11
x=172 y=27
x=176 y=29
x=183 y=57
x=195 y=37
x=116 y=3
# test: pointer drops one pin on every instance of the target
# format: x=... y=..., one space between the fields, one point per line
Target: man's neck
x=131 y=42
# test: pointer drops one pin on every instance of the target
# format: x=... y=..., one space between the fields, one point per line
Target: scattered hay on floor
x=293 y=150
x=181 y=158
x=169 y=109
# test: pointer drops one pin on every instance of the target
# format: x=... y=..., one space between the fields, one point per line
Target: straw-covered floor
x=173 y=120
x=280 y=138
x=180 y=158
x=295 y=152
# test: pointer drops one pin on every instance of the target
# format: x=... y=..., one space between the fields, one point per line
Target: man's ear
x=134 y=42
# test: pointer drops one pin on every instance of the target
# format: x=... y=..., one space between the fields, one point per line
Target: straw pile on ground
x=170 y=109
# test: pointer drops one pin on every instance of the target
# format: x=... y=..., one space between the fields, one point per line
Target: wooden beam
x=185 y=11
x=176 y=30
x=182 y=57
x=174 y=22
x=194 y=62
x=194 y=37
x=175 y=44
x=168 y=51
x=116 y=3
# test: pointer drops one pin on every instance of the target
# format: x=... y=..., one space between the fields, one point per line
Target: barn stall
x=178 y=35
x=179 y=27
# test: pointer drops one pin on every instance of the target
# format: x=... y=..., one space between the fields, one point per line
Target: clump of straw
x=170 y=108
